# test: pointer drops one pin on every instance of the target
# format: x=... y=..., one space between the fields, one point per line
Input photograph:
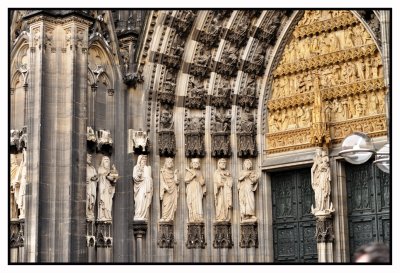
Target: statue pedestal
x=324 y=235
x=104 y=241
x=166 y=235
x=223 y=235
x=139 y=231
x=196 y=237
x=248 y=235
x=17 y=240
x=91 y=240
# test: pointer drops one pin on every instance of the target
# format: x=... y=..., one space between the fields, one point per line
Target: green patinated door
x=368 y=204
x=293 y=223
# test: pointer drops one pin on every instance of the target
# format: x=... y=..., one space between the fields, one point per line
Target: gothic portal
x=196 y=136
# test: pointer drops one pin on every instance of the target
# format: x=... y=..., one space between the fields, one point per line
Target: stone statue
x=142 y=188
x=107 y=178
x=222 y=192
x=248 y=182
x=321 y=182
x=195 y=190
x=91 y=187
x=19 y=185
x=14 y=186
x=169 y=190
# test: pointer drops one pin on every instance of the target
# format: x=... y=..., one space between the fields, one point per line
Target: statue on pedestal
x=142 y=188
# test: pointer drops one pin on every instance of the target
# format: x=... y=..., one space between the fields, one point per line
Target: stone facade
x=260 y=90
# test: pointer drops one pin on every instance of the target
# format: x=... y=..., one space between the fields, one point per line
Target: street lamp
x=358 y=148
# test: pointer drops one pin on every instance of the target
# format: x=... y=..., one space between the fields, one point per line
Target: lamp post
x=358 y=148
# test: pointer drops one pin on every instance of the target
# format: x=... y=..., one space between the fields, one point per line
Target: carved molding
x=196 y=236
x=248 y=235
x=326 y=59
x=139 y=228
x=325 y=26
x=166 y=143
x=222 y=235
x=16 y=234
x=166 y=237
x=103 y=234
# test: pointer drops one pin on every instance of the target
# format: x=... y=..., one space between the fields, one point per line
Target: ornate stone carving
x=15 y=136
x=222 y=192
x=246 y=134
x=104 y=141
x=228 y=65
x=247 y=96
x=140 y=142
x=335 y=91
x=91 y=188
x=196 y=237
x=166 y=237
x=222 y=235
x=201 y=62
x=313 y=23
x=139 y=228
x=194 y=137
x=167 y=93
x=257 y=65
x=91 y=139
x=166 y=135
x=142 y=188
x=17 y=237
x=197 y=95
x=247 y=185
x=183 y=21
x=238 y=34
x=222 y=94
x=211 y=37
x=108 y=176
x=103 y=234
x=169 y=190
x=321 y=183
x=324 y=229
x=248 y=235
x=220 y=134
x=91 y=232
x=319 y=128
x=195 y=191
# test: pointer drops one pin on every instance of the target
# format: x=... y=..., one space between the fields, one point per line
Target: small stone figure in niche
x=142 y=188
x=248 y=182
x=222 y=192
x=169 y=190
x=195 y=190
x=91 y=188
x=107 y=178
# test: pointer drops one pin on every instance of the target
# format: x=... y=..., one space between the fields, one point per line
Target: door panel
x=293 y=223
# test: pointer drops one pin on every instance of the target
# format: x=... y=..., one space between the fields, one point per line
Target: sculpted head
x=247 y=164
x=222 y=164
x=142 y=160
x=105 y=162
x=195 y=163
x=169 y=163
x=89 y=158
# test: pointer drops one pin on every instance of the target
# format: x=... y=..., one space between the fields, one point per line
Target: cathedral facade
x=196 y=136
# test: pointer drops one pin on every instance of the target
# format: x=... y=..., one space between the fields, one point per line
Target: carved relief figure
x=169 y=190
x=166 y=120
x=222 y=192
x=91 y=187
x=142 y=188
x=248 y=182
x=320 y=181
x=334 y=43
x=107 y=178
x=195 y=190
x=348 y=38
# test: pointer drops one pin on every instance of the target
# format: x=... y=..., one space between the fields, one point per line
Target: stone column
x=56 y=117
x=139 y=231
x=385 y=32
x=325 y=237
